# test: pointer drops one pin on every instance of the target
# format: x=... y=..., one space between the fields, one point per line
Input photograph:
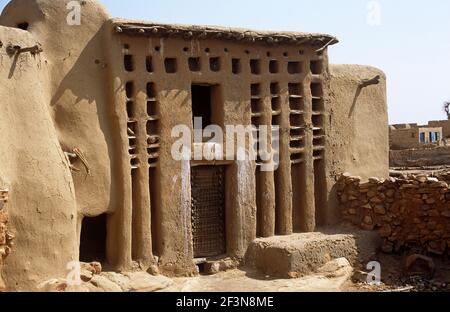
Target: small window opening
x=294 y=68
x=236 y=66
x=130 y=109
x=128 y=62
x=316 y=67
x=129 y=89
x=255 y=67
x=149 y=64
x=316 y=90
x=274 y=88
x=255 y=89
x=194 y=64
x=273 y=67
x=171 y=65
x=295 y=89
x=151 y=92
x=214 y=64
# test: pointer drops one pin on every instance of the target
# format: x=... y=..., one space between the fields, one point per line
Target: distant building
x=407 y=136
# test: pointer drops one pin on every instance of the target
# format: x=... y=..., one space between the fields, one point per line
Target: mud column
x=118 y=245
x=175 y=247
x=142 y=238
x=265 y=183
x=307 y=216
x=283 y=174
x=241 y=224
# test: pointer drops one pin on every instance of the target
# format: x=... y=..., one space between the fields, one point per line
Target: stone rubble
x=94 y=280
x=6 y=237
x=409 y=213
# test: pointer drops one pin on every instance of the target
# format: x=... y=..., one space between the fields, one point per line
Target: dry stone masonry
x=412 y=213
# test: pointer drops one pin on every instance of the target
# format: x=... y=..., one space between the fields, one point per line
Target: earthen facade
x=408 y=136
x=87 y=138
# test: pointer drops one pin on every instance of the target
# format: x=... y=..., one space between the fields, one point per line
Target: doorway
x=93 y=239
x=208 y=211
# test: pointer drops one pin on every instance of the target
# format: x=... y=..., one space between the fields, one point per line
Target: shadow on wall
x=365 y=83
x=78 y=122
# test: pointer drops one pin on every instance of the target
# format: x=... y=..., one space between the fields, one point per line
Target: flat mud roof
x=189 y=32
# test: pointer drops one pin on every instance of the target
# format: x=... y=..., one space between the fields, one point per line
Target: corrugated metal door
x=208 y=211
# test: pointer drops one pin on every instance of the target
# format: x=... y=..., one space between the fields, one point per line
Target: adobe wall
x=404 y=138
x=73 y=96
x=247 y=215
x=445 y=124
x=33 y=168
x=358 y=127
x=60 y=104
x=409 y=214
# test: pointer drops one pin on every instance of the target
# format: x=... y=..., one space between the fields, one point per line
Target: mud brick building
x=407 y=136
x=89 y=164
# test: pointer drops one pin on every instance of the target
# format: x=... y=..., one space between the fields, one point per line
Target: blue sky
x=411 y=43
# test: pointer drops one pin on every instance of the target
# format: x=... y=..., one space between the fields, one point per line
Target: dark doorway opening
x=93 y=239
x=208 y=211
x=202 y=104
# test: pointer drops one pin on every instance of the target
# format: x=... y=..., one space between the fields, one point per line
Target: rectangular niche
x=274 y=88
x=256 y=89
x=236 y=66
x=318 y=105
x=151 y=91
x=317 y=120
x=316 y=67
x=276 y=104
x=295 y=89
x=128 y=61
x=294 y=68
x=194 y=64
x=316 y=90
x=273 y=67
x=149 y=64
x=255 y=66
x=171 y=65
x=214 y=64
x=129 y=89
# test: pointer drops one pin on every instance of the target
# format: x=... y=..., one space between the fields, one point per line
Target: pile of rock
x=408 y=213
x=6 y=237
x=92 y=279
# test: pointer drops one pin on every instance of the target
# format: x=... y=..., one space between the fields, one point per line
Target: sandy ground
x=250 y=281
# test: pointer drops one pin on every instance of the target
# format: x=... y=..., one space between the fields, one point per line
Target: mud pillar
x=118 y=245
x=265 y=183
x=241 y=212
x=142 y=237
x=175 y=245
x=307 y=221
x=283 y=174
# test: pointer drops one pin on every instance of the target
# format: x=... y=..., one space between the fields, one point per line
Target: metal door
x=208 y=211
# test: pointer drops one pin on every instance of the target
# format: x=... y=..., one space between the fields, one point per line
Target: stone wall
x=427 y=156
x=5 y=236
x=413 y=213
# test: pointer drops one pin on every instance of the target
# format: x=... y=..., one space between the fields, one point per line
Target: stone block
x=299 y=254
